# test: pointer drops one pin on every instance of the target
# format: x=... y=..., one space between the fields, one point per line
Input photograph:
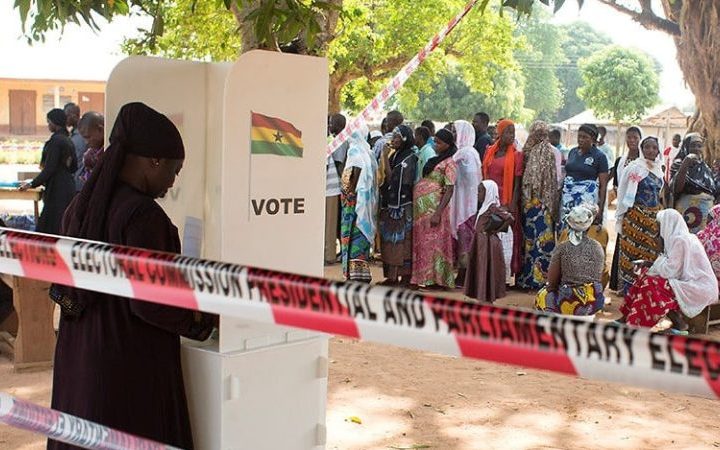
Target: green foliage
x=193 y=29
x=273 y=22
x=47 y=15
x=619 y=83
x=451 y=98
x=581 y=41
x=539 y=59
x=375 y=38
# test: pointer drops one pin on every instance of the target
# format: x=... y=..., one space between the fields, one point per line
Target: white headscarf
x=469 y=174
x=629 y=180
x=360 y=155
x=685 y=265
x=579 y=220
x=492 y=196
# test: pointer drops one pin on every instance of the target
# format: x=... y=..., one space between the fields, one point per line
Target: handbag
x=495 y=224
x=69 y=306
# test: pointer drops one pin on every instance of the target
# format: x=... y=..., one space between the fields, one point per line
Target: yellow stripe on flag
x=275 y=136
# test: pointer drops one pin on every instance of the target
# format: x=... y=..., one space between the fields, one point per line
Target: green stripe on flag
x=274 y=148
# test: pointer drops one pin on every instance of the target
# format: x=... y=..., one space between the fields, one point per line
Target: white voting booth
x=258 y=386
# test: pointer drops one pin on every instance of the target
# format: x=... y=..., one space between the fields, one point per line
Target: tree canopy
x=452 y=98
x=539 y=60
x=307 y=26
x=619 y=83
x=371 y=42
x=580 y=41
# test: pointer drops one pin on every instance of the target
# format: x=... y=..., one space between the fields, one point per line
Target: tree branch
x=646 y=17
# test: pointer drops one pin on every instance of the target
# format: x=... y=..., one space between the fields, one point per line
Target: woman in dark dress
x=117 y=360
x=396 y=207
x=58 y=164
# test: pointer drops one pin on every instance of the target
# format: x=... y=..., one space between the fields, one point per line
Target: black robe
x=118 y=363
x=58 y=164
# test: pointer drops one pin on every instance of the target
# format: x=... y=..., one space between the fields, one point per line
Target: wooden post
x=34 y=345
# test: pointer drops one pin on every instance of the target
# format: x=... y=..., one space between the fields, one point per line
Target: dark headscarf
x=408 y=143
x=448 y=138
x=699 y=176
x=57 y=116
x=138 y=130
x=589 y=129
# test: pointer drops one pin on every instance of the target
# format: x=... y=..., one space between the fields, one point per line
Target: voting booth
x=251 y=191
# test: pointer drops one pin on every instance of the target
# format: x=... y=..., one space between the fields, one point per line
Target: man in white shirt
x=669 y=155
x=334 y=166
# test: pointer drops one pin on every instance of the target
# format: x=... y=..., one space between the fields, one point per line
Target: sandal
x=675 y=332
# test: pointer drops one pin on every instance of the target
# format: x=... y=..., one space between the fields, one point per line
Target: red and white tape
x=398 y=80
x=69 y=429
x=400 y=317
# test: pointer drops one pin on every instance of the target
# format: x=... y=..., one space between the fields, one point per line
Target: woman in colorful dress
x=633 y=135
x=540 y=206
x=681 y=280
x=574 y=284
x=396 y=207
x=710 y=239
x=425 y=143
x=639 y=200
x=465 y=197
x=586 y=172
x=433 y=253
x=359 y=207
x=692 y=183
x=503 y=163
x=486 y=262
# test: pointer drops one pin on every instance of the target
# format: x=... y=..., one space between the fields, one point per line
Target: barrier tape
x=69 y=429
x=562 y=344
x=398 y=80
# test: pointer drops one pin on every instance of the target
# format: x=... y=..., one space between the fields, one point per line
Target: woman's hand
x=24 y=186
x=598 y=218
x=690 y=160
x=435 y=219
x=642 y=263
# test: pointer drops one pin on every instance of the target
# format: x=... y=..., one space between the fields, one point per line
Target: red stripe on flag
x=260 y=120
x=39 y=258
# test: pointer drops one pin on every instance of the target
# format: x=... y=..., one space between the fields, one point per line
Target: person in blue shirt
x=586 y=174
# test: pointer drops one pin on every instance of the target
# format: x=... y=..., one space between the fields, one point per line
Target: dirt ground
x=409 y=399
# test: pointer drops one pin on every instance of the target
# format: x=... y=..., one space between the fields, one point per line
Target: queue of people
x=457 y=208
x=74 y=148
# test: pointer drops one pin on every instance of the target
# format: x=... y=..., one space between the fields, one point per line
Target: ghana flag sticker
x=273 y=136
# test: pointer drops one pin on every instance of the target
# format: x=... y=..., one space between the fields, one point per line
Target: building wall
x=49 y=94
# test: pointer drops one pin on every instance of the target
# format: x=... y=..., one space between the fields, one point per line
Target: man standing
x=92 y=129
x=482 y=138
x=554 y=138
x=72 y=112
x=604 y=147
x=334 y=167
x=392 y=120
x=669 y=155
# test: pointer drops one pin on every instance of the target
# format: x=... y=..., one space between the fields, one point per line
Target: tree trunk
x=334 y=98
x=338 y=80
x=328 y=23
x=698 y=53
